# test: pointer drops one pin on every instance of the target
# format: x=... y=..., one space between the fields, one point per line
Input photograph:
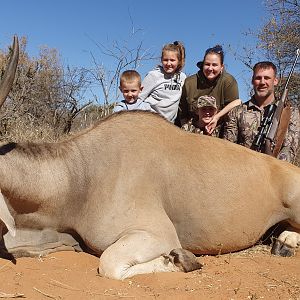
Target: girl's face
x=212 y=66
x=170 y=61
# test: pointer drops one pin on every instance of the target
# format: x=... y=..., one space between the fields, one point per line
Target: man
x=244 y=120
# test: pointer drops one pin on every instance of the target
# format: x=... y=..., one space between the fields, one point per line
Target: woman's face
x=212 y=66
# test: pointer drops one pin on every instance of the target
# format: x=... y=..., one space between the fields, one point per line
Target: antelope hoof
x=282 y=249
x=185 y=260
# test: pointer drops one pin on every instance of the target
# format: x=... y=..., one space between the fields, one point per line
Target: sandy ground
x=251 y=274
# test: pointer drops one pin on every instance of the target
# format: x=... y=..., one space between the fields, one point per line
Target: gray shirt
x=163 y=91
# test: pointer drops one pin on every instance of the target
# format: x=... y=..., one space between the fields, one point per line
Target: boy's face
x=206 y=113
x=131 y=90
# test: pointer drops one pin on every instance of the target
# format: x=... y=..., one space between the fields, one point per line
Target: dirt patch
x=252 y=274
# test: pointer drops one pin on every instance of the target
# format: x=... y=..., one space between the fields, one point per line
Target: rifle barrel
x=292 y=69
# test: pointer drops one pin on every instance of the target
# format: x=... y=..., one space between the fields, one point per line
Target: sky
x=75 y=27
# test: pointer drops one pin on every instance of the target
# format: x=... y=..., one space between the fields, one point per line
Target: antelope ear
x=6 y=217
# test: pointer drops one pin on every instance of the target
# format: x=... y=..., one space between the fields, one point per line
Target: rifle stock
x=271 y=136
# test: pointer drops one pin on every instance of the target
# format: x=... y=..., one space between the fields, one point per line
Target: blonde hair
x=129 y=76
x=179 y=49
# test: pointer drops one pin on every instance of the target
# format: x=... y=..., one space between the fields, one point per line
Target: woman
x=210 y=80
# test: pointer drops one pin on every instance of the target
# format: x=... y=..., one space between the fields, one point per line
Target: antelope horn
x=6 y=217
x=9 y=75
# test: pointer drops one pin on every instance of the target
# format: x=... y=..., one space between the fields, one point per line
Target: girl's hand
x=210 y=127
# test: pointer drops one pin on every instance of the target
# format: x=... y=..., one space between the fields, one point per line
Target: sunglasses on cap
x=216 y=49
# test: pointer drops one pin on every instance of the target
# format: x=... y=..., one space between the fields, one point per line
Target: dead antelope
x=138 y=195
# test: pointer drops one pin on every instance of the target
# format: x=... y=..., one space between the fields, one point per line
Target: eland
x=146 y=198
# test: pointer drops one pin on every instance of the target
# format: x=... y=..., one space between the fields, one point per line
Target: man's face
x=264 y=82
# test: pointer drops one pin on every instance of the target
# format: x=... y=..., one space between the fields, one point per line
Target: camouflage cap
x=205 y=101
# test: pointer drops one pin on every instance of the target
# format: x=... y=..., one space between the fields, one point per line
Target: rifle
x=275 y=122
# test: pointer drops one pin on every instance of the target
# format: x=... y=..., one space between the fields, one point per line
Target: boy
x=205 y=108
x=130 y=86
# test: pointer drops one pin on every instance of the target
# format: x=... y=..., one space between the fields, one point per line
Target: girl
x=163 y=85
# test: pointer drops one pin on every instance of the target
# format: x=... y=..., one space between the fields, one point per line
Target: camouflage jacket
x=191 y=126
x=244 y=121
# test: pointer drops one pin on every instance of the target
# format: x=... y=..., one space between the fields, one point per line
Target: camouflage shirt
x=244 y=121
x=191 y=126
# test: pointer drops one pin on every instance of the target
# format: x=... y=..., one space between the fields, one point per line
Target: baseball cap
x=205 y=101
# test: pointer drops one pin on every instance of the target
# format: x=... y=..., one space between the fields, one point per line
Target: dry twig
x=16 y=295
x=2 y=267
x=62 y=285
x=45 y=294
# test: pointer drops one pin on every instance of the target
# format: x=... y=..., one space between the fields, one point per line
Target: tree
x=277 y=41
x=280 y=37
x=45 y=98
x=49 y=99
x=127 y=54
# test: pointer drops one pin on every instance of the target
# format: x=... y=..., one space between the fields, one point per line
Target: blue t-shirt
x=139 y=104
